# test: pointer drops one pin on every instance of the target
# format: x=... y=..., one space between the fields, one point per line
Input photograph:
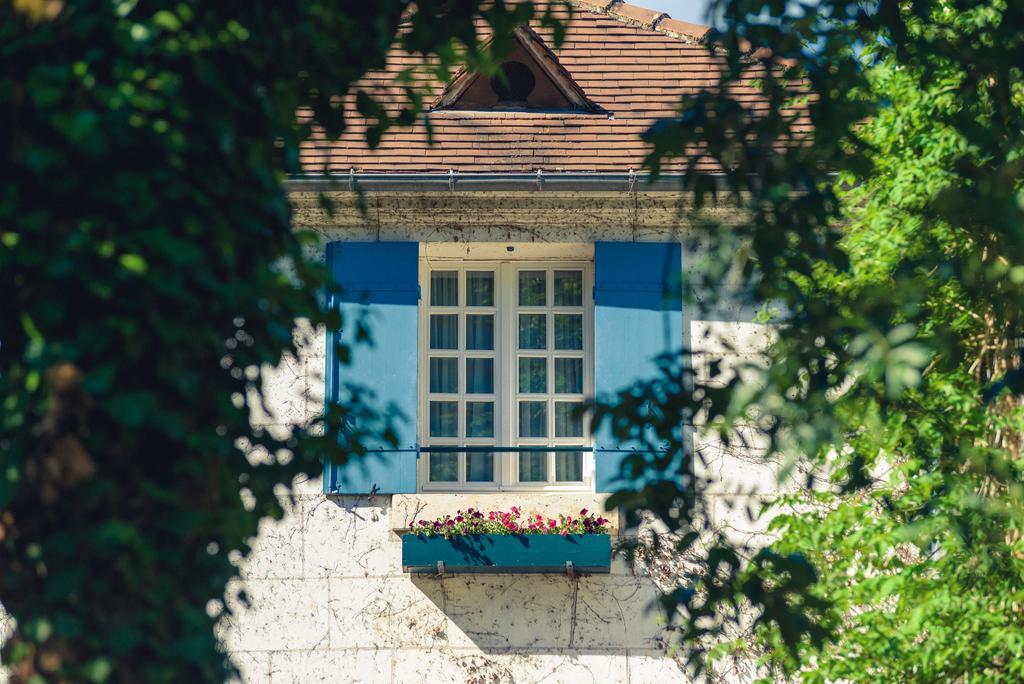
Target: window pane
x=533 y=288
x=444 y=467
x=444 y=419
x=479 y=376
x=533 y=419
x=444 y=288
x=568 y=466
x=533 y=375
x=533 y=467
x=479 y=288
x=444 y=375
x=480 y=467
x=568 y=288
x=568 y=419
x=479 y=419
x=444 y=331
x=479 y=331
x=569 y=376
x=568 y=331
x=533 y=331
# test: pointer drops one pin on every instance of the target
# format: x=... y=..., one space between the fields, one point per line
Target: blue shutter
x=637 y=317
x=381 y=280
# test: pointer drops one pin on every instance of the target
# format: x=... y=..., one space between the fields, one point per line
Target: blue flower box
x=507 y=553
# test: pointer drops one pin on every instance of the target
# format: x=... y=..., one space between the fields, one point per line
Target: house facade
x=510 y=269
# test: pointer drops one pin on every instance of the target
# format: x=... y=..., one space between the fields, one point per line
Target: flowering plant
x=472 y=521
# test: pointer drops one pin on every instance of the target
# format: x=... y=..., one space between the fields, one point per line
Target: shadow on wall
x=547 y=612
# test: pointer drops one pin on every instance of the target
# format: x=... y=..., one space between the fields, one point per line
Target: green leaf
x=134 y=263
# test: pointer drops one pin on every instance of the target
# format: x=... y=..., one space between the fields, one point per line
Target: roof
x=634 y=64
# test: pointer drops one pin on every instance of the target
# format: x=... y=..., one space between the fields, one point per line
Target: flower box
x=513 y=553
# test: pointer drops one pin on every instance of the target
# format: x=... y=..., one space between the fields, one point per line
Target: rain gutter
x=489 y=182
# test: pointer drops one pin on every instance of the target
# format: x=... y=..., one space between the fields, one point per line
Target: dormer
x=531 y=80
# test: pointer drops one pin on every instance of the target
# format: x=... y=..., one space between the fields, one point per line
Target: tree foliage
x=150 y=277
x=884 y=241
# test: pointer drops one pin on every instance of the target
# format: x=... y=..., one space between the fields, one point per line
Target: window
x=506 y=358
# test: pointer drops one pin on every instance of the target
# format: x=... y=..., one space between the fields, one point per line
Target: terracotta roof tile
x=635 y=15
x=594 y=5
x=683 y=29
x=634 y=63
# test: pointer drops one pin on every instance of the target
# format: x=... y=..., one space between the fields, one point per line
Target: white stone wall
x=329 y=601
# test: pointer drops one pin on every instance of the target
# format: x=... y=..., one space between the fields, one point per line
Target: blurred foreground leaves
x=881 y=178
x=150 y=280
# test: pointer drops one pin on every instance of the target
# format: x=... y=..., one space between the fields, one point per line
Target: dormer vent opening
x=514 y=84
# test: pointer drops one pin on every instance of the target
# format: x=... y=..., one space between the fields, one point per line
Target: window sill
x=430 y=505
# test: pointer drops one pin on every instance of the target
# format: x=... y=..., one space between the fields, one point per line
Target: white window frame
x=506 y=265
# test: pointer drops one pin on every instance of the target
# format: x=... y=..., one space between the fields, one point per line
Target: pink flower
x=512 y=521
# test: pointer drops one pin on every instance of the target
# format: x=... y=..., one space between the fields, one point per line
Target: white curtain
x=479 y=419
x=533 y=375
x=444 y=419
x=568 y=466
x=480 y=331
x=444 y=288
x=533 y=419
x=568 y=421
x=533 y=467
x=479 y=288
x=533 y=331
x=569 y=376
x=568 y=331
x=479 y=376
x=444 y=467
x=568 y=288
x=533 y=288
x=444 y=375
x=444 y=331
x=479 y=467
